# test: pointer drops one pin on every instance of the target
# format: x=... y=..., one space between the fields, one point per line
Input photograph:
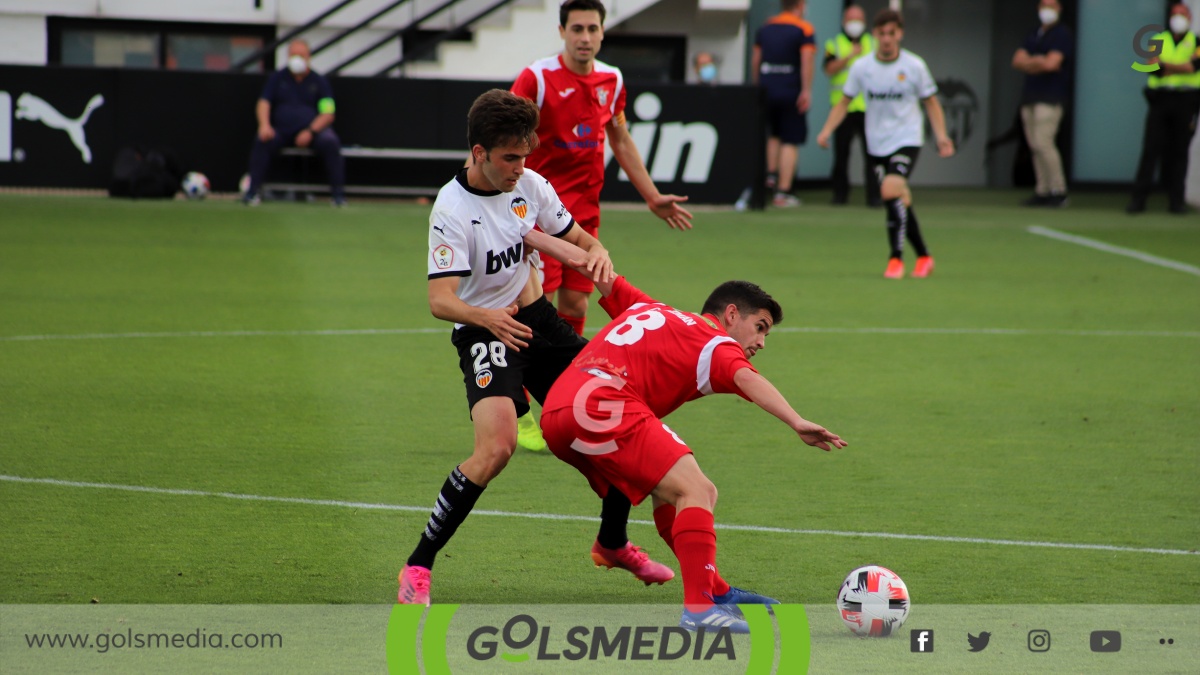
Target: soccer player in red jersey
x=603 y=416
x=582 y=102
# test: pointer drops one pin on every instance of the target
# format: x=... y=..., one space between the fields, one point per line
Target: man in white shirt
x=508 y=336
x=894 y=80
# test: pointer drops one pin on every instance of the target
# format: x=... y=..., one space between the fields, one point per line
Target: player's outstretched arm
x=764 y=394
x=446 y=305
x=568 y=254
x=596 y=261
x=626 y=153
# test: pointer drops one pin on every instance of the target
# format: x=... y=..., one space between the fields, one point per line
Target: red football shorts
x=555 y=276
x=634 y=457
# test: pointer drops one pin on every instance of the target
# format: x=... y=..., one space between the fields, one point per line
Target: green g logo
x=1152 y=50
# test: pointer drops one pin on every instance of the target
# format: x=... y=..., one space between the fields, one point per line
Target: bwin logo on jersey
x=507 y=258
x=663 y=154
x=35 y=109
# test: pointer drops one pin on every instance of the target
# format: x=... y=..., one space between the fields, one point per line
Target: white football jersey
x=893 y=91
x=478 y=235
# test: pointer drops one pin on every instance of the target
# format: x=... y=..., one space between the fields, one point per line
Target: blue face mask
x=708 y=72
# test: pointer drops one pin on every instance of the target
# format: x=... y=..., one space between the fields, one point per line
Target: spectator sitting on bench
x=296 y=108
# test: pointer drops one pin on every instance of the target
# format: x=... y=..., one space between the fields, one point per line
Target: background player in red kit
x=582 y=102
x=603 y=416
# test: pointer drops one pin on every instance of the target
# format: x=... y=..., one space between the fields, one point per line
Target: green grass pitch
x=1032 y=390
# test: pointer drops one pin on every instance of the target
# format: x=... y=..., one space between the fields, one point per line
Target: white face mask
x=854 y=28
x=297 y=64
x=1180 y=24
x=1048 y=16
x=708 y=72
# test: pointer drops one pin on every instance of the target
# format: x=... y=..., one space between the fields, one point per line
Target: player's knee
x=493 y=456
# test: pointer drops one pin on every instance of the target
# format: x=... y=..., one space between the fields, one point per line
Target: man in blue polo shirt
x=296 y=108
x=782 y=62
x=1044 y=57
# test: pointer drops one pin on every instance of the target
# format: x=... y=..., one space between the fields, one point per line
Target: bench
x=412 y=154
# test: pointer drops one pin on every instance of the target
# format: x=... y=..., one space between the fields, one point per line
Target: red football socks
x=664 y=520
x=696 y=549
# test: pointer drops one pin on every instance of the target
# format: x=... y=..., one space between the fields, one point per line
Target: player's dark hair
x=747 y=297
x=500 y=117
x=789 y=5
x=565 y=9
x=885 y=16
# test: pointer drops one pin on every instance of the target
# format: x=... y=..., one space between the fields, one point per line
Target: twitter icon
x=980 y=642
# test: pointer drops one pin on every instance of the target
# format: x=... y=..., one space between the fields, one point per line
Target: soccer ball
x=873 y=601
x=195 y=185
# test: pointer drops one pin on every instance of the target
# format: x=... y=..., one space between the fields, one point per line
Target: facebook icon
x=921 y=641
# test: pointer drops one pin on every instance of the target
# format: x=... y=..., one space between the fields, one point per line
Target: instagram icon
x=1039 y=640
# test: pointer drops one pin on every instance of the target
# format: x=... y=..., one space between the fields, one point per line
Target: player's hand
x=668 y=208
x=823 y=139
x=945 y=147
x=265 y=133
x=818 y=436
x=500 y=322
x=803 y=101
x=304 y=139
x=597 y=264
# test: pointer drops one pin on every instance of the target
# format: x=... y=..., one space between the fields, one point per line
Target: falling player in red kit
x=603 y=416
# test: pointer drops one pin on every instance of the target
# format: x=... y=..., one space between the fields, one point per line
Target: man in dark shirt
x=1044 y=58
x=296 y=108
x=782 y=62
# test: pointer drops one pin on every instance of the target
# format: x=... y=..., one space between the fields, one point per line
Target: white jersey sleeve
x=553 y=218
x=926 y=86
x=450 y=244
x=853 y=85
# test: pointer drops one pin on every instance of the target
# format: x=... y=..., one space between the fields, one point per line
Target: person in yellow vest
x=1174 y=95
x=840 y=53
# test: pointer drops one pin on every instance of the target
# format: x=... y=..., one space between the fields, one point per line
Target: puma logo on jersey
x=506 y=258
x=567 y=92
x=440 y=230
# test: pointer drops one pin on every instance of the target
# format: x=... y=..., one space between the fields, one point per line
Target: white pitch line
x=1109 y=248
x=561 y=517
x=781 y=329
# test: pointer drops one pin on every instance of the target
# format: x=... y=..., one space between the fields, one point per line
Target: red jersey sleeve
x=727 y=359
x=624 y=295
x=526 y=85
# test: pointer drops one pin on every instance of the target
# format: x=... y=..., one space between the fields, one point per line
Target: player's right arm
x=445 y=304
x=836 y=115
x=764 y=394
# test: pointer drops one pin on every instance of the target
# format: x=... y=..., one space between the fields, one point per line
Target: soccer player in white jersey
x=507 y=333
x=894 y=80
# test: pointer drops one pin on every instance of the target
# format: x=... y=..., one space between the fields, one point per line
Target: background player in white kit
x=893 y=80
x=507 y=333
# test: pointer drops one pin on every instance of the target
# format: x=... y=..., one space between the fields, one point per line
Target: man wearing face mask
x=1043 y=58
x=1174 y=95
x=706 y=68
x=840 y=53
x=296 y=108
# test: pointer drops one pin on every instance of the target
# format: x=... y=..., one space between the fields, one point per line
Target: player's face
x=888 y=38
x=503 y=165
x=750 y=331
x=582 y=35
